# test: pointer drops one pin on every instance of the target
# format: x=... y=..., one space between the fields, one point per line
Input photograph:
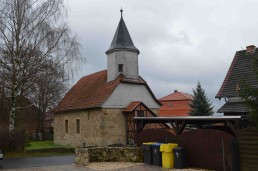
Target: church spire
x=121 y=10
x=122 y=39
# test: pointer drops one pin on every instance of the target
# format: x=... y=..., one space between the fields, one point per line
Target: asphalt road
x=16 y=163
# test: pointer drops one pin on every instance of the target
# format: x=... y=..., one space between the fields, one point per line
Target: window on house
x=77 y=126
x=120 y=67
x=66 y=126
x=140 y=113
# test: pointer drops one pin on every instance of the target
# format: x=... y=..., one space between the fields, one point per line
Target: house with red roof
x=94 y=111
x=175 y=104
x=240 y=70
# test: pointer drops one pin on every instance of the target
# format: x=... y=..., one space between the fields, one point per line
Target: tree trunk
x=12 y=113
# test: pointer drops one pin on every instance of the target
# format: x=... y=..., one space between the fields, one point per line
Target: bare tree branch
x=37 y=52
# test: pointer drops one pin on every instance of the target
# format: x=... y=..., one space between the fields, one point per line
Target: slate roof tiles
x=241 y=69
x=122 y=39
x=236 y=107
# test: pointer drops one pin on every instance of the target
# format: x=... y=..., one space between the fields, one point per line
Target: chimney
x=250 y=49
x=175 y=91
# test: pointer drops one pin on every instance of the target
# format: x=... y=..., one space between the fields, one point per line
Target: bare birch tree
x=32 y=33
x=48 y=90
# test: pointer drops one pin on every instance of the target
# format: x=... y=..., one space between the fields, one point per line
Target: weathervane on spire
x=121 y=10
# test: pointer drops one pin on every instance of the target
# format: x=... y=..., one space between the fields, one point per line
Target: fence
x=248 y=149
x=205 y=148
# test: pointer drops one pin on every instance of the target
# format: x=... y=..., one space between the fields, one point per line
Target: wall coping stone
x=107 y=154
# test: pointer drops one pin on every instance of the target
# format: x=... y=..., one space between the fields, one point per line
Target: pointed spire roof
x=122 y=39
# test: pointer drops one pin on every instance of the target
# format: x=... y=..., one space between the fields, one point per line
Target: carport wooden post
x=136 y=132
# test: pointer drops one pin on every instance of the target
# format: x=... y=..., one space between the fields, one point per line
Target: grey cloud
x=181 y=42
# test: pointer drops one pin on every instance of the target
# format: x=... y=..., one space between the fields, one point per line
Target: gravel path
x=107 y=166
x=131 y=166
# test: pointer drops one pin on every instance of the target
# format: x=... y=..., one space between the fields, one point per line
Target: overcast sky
x=181 y=42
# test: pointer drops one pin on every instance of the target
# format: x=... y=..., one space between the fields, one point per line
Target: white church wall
x=124 y=94
x=129 y=61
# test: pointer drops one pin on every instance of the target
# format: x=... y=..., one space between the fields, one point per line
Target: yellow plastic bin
x=168 y=159
x=147 y=152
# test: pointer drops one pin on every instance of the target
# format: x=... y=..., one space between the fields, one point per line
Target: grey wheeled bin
x=147 y=155
x=156 y=154
x=180 y=157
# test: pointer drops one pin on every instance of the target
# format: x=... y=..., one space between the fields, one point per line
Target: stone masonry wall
x=108 y=154
x=81 y=156
x=90 y=128
x=98 y=127
x=114 y=127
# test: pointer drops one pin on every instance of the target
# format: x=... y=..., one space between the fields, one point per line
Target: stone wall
x=108 y=154
x=81 y=156
x=114 y=127
x=90 y=128
x=98 y=127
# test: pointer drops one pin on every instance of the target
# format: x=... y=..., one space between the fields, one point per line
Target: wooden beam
x=176 y=128
x=232 y=127
x=181 y=127
x=171 y=123
x=140 y=125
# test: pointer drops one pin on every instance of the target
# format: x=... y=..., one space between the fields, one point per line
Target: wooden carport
x=234 y=123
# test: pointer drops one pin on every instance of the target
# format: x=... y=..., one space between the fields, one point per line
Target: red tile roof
x=132 y=106
x=92 y=91
x=89 y=92
x=177 y=96
x=174 y=112
x=175 y=104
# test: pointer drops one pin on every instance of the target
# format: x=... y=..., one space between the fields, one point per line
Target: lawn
x=33 y=145
x=40 y=149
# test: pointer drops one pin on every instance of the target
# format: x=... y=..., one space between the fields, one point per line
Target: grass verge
x=34 y=154
x=33 y=145
x=41 y=149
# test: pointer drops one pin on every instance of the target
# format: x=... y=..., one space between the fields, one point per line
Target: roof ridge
x=173 y=94
x=184 y=94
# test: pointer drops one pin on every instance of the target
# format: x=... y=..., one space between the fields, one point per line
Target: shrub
x=16 y=142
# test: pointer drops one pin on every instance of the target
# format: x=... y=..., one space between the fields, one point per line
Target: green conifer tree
x=200 y=104
x=250 y=94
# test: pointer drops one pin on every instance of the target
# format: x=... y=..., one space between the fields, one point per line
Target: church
x=95 y=111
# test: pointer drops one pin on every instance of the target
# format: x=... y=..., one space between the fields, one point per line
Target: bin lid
x=149 y=143
x=147 y=146
x=179 y=149
x=174 y=144
x=167 y=147
x=156 y=144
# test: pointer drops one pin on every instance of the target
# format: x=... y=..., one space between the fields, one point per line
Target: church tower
x=122 y=55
